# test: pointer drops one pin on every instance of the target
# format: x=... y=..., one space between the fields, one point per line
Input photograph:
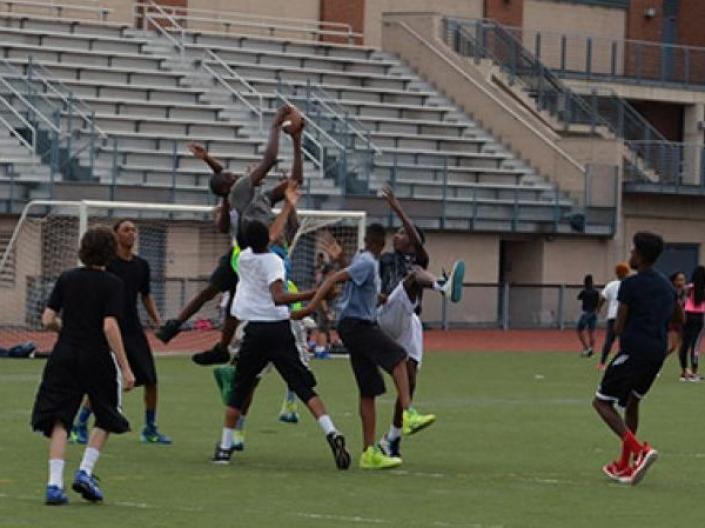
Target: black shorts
x=625 y=377
x=369 y=347
x=263 y=342
x=68 y=376
x=139 y=356
x=587 y=320
x=224 y=277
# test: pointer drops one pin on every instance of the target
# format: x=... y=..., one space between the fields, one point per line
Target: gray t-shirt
x=359 y=299
x=251 y=203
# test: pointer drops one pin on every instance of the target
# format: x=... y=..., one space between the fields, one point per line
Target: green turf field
x=516 y=444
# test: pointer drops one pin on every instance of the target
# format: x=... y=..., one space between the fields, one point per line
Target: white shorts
x=397 y=318
x=297 y=328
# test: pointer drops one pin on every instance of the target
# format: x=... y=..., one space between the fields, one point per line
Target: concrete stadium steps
x=148 y=100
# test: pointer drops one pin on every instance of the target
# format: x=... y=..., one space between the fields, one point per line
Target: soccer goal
x=180 y=243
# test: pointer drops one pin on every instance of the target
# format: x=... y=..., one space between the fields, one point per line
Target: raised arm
x=292 y=195
x=222 y=216
x=201 y=153
x=297 y=167
x=269 y=159
x=409 y=227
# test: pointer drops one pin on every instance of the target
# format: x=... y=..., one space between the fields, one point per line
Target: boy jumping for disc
x=404 y=276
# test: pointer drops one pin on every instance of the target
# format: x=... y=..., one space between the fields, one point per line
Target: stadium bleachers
x=151 y=102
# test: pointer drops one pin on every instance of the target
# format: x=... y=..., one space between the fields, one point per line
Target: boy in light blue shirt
x=369 y=347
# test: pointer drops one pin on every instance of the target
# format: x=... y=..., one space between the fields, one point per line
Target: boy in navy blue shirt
x=369 y=347
x=647 y=303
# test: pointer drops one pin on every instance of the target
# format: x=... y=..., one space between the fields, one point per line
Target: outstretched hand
x=198 y=151
x=281 y=114
x=388 y=194
x=331 y=246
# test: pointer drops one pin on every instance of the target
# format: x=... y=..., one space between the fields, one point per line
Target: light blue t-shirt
x=359 y=299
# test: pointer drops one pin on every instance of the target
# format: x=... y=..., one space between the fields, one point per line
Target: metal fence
x=512 y=306
x=637 y=61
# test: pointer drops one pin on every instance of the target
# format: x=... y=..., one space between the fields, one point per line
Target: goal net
x=180 y=243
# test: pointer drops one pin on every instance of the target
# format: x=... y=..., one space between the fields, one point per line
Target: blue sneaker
x=79 y=434
x=87 y=486
x=151 y=435
x=55 y=496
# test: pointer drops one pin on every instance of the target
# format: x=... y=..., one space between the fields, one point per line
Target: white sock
x=438 y=286
x=90 y=457
x=226 y=441
x=326 y=424
x=394 y=433
x=56 y=472
x=240 y=425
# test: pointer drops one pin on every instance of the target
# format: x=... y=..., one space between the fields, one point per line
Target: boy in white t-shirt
x=609 y=295
x=261 y=300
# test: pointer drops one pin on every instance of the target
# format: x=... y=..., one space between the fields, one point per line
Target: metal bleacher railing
x=623 y=60
x=601 y=109
x=53 y=8
x=225 y=21
x=58 y=127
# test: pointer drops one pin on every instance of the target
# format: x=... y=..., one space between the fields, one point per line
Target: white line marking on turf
x=345 y=518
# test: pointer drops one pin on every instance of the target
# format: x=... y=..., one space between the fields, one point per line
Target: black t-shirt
x=135 y=276
x=651 y=300
x=590 y=298
x=395 y=266
x=85 y=297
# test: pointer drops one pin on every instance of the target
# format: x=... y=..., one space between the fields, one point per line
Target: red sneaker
x=616 y=473
x=644 y=459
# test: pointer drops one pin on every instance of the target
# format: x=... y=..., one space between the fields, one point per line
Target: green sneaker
x=413 y=422
x=374 y=458
x=224 y=378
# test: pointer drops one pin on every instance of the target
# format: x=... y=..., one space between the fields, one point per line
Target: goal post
x=180 y=242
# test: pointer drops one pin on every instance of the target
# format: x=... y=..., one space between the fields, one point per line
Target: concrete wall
x=375 y=8
x=677 y=219
x=481 y=255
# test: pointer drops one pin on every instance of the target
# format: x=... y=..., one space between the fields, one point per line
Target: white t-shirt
x=610 y=293
x=253 y=300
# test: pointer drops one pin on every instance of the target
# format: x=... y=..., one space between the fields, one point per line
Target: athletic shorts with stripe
x=626 y=376
x=264 y=342
x=68 y=376
x=369 y=348
x=397 y=318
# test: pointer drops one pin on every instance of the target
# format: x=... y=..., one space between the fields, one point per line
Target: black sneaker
x=168 y=330
x=214 y=356
x=221 y=456
x=337 y=444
